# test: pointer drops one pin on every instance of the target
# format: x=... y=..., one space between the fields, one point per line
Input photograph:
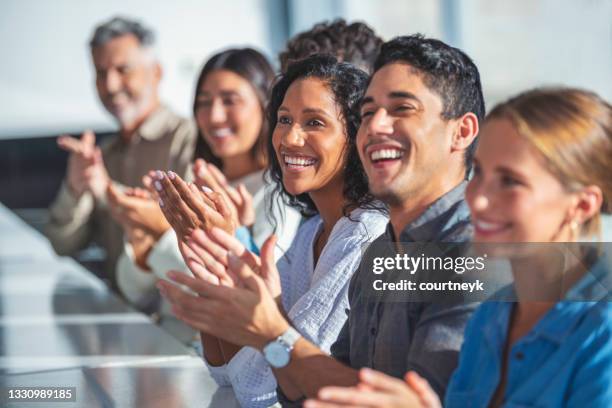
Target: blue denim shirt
x=564 y=361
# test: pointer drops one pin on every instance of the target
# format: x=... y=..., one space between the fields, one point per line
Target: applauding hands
x=237 y=297
x=86 y=171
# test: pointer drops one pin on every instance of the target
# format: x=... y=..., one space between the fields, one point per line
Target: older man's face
x=127 y=78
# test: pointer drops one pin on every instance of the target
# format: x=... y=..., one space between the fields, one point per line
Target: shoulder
x=363 y=225
x=175 y=124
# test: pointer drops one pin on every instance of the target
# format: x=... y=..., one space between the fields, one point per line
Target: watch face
x=276 y=355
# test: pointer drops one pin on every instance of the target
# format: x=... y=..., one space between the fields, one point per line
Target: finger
x=178 y=210
x=201 y=272
x=422 y=388
x=201 y=287
x=201 y=240
x=381 y=381
x=88 y=138
x=112 y=194
x=268 y=264
x=245 y=195
x=217 y=175
x=349 y=397
x=247 y=277
x=210 y=263
x=177 y=296
x=312 y=403
x=188 y=196
x=220 y=204
x=69 y=144
x=205 y=178
x=227 y=241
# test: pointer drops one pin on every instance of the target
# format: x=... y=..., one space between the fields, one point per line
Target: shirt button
x=519 y=356
x=373 y=331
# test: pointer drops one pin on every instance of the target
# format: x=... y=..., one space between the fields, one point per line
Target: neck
x=407 y=211
x=543 y=279
x=329 y=203
x=238 y=166
x=127 y=130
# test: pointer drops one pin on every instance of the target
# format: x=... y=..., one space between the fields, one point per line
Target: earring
x=574 y=229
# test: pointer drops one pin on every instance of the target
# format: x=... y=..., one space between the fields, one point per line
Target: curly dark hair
x=356 y=43
x=347 y=84
x=253 y=66
x=446 y=70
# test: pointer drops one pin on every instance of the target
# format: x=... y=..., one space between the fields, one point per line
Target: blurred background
x=47 y=78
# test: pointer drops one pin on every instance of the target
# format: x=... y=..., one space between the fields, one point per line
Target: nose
x=293 y=138
x=112 y=81
x=217 y=112
x=480 y=203
x=380 y=123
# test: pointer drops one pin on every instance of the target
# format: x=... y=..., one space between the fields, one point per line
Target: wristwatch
x=278 y=352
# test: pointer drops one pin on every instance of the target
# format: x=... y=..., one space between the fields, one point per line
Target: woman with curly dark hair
x=314 y=163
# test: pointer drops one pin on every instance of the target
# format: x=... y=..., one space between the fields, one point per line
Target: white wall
x=46 y=76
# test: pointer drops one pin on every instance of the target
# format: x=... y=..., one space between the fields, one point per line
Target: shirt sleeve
x=69 y=225
x=252 y=379
x=434 y=350
x=137 y=284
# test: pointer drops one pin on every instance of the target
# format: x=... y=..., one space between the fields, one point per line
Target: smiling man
x=150 y=136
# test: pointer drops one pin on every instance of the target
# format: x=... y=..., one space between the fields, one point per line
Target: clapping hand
x=86 y=170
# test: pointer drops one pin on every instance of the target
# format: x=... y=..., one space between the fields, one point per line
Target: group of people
x=252 y=224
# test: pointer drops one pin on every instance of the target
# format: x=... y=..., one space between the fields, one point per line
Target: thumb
x=268 y=265
x=88 y=138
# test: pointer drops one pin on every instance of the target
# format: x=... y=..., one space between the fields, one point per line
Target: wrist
x=277 y=329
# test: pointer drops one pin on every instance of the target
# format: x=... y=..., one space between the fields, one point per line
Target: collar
x=156 y=123
x=446 y=220
x=592 y=288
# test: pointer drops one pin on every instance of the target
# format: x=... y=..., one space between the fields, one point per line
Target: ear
x=159 y=71
x=466 y=131
x=587 y=204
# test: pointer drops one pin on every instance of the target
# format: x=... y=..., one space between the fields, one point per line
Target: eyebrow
x=393 y=95
x=306 y=110
x=223 y=93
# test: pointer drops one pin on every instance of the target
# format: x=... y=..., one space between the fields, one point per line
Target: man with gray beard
x=150 y=136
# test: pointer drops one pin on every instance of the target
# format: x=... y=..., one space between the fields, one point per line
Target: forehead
x=310 y=93
x=500 y=143
x=223 y=79
x=400 y=77
x=119 y=50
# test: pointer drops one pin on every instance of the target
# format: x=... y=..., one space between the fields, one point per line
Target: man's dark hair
x=120 y=26
x=347 y=84
x=446 y=70
x=355 y=43
x=252 y=66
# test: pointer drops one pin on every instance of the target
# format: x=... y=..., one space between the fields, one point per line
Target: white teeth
x=298 y=161
x=386 y=154
x=488 y=226
x=222 y=132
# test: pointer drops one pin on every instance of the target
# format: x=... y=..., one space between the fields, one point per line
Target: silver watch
x=278 y=352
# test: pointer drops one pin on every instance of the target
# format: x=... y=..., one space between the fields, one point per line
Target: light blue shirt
x=314 y=296
x=564 y=361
